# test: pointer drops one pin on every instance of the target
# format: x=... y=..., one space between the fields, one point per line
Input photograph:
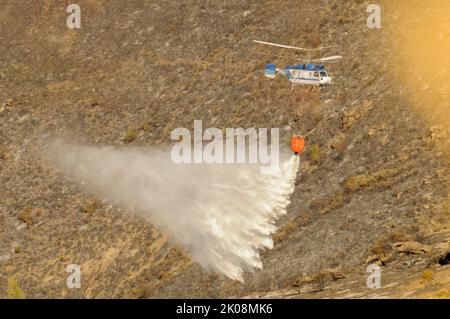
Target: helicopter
x=311 y=73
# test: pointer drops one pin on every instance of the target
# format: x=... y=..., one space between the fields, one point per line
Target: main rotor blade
x=328 y=58
x=284 y=46
x=323 y=60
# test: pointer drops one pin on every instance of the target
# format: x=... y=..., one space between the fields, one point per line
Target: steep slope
x=371 y=174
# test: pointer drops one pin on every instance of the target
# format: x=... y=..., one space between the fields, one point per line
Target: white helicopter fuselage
x=306 y=77
x=301 y=74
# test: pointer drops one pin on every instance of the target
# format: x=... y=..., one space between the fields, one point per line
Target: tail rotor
x=270 y=71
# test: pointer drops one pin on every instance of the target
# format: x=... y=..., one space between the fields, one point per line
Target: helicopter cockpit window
x=323 y=73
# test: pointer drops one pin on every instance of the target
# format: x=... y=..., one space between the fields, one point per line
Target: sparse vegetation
x=442 y=294
x=3 y=153
x=26 y=216
x=383 y=244
x=315 y=153
x=14 y=291
x=130 y=136
x=284 y=232
x=138 y=293
x=379 y=248
x=145 y=126
x=128 y=81
x=428 y=275
x=90 y=207
x=319 y=280
x=351 y=117
x=343 y=20
x=381 y=178
x=29 y=215
x=328 y=203
x=399 y=235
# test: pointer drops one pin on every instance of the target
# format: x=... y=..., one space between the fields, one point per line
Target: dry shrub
x=29 y=215
x=14 y=291
x=399 y=236
x=130 y=136
x=428 y=275
x=329 y=202
x=379 y=248
x=290 y=227
x=315 y=153
x=3 y=152
x=91 y=207
x=381 y=178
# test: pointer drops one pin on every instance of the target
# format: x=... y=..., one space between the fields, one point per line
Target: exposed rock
x=375 y=259
x=411 y=247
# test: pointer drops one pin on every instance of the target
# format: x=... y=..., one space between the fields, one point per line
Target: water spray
x=222 y=215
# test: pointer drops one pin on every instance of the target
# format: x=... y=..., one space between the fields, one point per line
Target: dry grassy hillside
x=374 y=172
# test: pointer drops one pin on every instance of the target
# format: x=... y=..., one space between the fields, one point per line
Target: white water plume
x=222 y=215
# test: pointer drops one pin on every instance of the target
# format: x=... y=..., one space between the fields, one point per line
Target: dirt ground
x=374 y=172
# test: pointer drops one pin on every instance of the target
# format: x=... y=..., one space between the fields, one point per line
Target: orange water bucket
x=297 y=144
